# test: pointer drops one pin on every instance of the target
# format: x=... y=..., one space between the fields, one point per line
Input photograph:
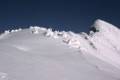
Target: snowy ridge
x=102 y=43
x=105 y=33
x=70 y=38
x=105 y=37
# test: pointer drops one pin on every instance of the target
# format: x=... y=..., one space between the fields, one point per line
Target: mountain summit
x=38 y=53
x=106 y=37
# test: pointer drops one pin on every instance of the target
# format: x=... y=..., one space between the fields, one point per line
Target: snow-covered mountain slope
x=42 y=54
x=106 y=40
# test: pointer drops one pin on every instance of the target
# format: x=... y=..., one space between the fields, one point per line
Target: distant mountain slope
x=42 y=54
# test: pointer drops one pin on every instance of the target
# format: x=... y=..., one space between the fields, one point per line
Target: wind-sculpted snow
x=39 y=53
x=107 y=42
x=104 y=43
x=3 y=76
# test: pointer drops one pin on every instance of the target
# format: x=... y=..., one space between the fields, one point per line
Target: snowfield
x=42 y=54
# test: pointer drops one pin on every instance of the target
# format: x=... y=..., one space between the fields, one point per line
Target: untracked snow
x=38 y=53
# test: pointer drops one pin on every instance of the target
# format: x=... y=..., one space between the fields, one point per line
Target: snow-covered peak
x=102 y=29
x=103 y=26
x=106 y=37
x=45 y=54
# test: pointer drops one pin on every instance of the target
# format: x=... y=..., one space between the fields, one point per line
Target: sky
x=74 y=15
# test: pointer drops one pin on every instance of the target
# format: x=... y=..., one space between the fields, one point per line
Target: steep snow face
x=42 y=54
x=106 y=39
